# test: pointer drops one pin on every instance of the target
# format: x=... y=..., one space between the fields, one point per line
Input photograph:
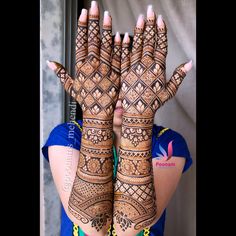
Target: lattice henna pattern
x=96 y=85
x=134 y=201
x=91 y=202
x=96 y=90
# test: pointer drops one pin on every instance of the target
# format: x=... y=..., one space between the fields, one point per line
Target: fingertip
x=52 y=65
x=83 y=15
x=94 y=4
x=140 y=22
x=126 y=38
x=188 y=66
x=106 y=19
x=106 y=13
x=150 y=12
x=160 y=22
x=94 y=10
x=117 y=37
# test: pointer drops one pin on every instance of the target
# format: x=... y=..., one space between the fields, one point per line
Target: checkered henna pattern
x=96 y=89
x=143 y=91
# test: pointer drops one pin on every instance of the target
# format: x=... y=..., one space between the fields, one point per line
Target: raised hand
x=143 y=90
x=96 y=90
x=97 y=80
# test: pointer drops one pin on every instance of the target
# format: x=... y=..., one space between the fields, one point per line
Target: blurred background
x=58 y=20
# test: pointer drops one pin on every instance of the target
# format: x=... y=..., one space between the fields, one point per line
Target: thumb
x=177 y=78
x=63 y=75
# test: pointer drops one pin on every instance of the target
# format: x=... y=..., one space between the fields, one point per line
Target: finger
x=125 y=55
x=161 y=43
x=64 y=77
x=105 y=54
x=81 y=39
x=177 y=78
x=137 y=41
x=116 y=55
x=149 y=34
x=93 y=31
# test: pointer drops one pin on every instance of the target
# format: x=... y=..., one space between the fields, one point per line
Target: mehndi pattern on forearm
x=92 y=194
x=136 y=130
x=134 y=189
x=96 y=90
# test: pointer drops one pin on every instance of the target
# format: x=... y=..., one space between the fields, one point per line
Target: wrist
x=136 y=132
x=97 y=132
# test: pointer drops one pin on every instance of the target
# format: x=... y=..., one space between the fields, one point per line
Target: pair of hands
x=106 y=71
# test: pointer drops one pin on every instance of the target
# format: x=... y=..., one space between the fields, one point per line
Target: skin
x=165 y=179
x=64 y=160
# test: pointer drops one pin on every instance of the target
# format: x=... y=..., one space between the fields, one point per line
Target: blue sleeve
x=66 y=134
x=178 y=143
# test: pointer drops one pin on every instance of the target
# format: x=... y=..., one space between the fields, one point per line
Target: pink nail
x=106 y=14
x=51 y=65
x=140 y=21
x=188 y=66
x=94 y=8
x=94 y=4
x=107 y=18
x=160 y=22
x=150 y=12
x=83 y=15
x=117 y=37
x=126 y=38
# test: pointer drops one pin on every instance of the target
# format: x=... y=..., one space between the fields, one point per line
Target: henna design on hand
x=97 y=79
x=134 y=190
x=95 y=88
x=91 y=198
x=143 y=91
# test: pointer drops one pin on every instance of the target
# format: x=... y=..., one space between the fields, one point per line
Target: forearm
x=134 y=188
x=92 y=192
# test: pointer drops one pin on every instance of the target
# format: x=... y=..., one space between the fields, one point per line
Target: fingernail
x=51 y=65
x=188 y=66
x=106 y=13
x=84 y=11
x=150 y=12
x=126 y=38
x=83 y=15
x=107 y=18
x=94 y=4
x=140 y=21
x=117 y=37
x=94 y=8
x=160 y=22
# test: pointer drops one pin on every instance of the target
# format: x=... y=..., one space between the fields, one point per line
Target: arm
x=63 y=163
x=96 y=90
x=143 y=91
x=64 y=160
x=166 y=181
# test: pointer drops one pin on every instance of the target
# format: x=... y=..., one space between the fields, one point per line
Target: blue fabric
x=66 y=224
x=180 y=148
x=68 y=134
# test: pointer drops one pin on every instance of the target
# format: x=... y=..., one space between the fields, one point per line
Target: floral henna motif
x=100 y=220
x=95 y=87
x=123 y=220
x=92 y=194
x=143 y=91
x=97 y=135
x=136 y=135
